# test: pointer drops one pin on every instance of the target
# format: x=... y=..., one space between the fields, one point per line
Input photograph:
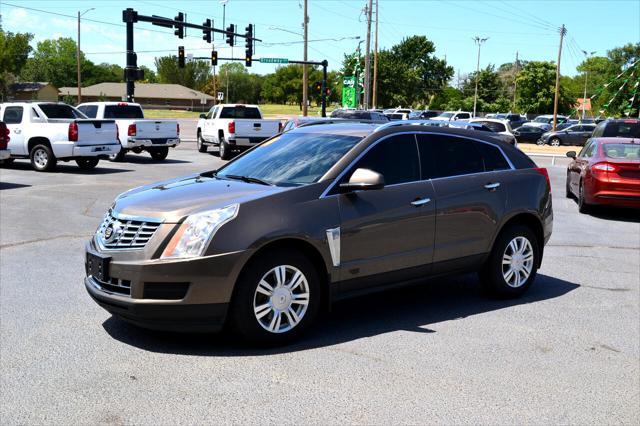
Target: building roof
x=143 y=90
x=29 y=86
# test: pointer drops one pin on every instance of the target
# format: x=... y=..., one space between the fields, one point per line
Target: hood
x=174 y=199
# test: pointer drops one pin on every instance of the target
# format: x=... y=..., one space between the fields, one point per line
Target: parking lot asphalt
x=567 y=352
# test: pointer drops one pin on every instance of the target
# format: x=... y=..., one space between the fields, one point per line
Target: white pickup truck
x=46 y=132
x=234 y=127
x=136 y=134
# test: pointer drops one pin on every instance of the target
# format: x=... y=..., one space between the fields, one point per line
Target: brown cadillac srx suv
x=318 y=214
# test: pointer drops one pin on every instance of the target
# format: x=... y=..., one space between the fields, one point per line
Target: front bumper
x=174 y=295
x=131 y=143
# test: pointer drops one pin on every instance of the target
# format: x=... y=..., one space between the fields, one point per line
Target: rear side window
x=60 y=111
x=589 y=150
x=123 y=112
x=492 y=157
x=90 y=111
x=12 y=115
x=463 y=116
x=240 y=112
x=396 y=158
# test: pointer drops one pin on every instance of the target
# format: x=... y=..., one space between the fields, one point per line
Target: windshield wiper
x=249 y=179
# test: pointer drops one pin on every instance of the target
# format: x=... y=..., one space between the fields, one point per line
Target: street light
x=479 y=42
x=78 y=55
x=586 y=73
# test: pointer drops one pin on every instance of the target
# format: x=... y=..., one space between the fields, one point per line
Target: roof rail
x=409 y=123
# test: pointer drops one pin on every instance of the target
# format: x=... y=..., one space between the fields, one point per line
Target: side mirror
x=572 y=154
x=516 y=133
x=203 y=115
x=363 y=180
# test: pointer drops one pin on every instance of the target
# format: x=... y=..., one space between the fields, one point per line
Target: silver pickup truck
x=234 y=127
x=136 y=133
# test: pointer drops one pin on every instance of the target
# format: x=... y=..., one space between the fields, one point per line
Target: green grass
x=268 y=110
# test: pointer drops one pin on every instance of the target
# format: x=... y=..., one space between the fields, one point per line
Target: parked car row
x=49 y=132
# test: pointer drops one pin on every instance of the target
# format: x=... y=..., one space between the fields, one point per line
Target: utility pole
x=367 y=59
x=374 y=102
x=563 y=31
x=479 y=42
x=78 y=57
x=515 y=81
x=586 y=74
x=305 y=70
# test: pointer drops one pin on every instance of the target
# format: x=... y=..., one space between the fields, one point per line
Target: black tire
x=567 y=188
x=242 y=319
x=42 y=159
x=87 y=163
x=555 y=142
x=583 y=207
x=202 y=147
x=119 y=156
x=159 y=154
x=225 y=150
x=492 y=275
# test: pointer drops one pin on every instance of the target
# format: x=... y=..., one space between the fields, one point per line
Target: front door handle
x=420 y=202
x=492 y=186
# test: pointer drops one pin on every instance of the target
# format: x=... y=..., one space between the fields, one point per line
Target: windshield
x=542 y=120
x=446 y=115
x=622 y=129
x=240 y=112
x=123 y=111
x=61 y=111
x=629 y=151
x=292 y=159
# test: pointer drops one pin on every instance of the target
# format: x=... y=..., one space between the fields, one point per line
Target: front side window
x=589 y=150
x=463 y=116
x=448 y=156
x=291 y=159
x=395 y=158
x=12 y=115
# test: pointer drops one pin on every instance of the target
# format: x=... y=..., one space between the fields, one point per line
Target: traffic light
x=318 y=87
x=214 y=58
x=207 y=33
x=179 y=28
x=181 y=56
x=231 y=29
x=248 y=44
x=327 y=92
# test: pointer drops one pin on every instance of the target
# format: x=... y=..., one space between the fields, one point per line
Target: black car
x=528 y=134
x=572 y=135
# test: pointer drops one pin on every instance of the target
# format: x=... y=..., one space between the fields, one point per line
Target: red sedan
x=605 y=172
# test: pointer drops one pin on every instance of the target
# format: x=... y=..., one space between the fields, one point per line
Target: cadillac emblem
x=112 y=232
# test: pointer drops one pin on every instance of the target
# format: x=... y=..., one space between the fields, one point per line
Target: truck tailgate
x=156 y=129
x=96 y=132
x=246 y=128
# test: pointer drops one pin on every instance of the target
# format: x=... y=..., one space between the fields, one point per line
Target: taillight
x=544 y=173
x=73 y=132
x=232 y=127
x=604 y=167
x=178 y=128
x=131 y=131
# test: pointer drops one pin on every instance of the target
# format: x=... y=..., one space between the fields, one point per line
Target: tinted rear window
x=90 y=111
x=240 y=112
x=60 y=111
x=622 y=129
x=123 y=111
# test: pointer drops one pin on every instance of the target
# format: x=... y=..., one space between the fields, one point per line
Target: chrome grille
x=117 y=232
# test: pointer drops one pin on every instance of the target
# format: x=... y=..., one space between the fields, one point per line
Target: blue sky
x=529 y=27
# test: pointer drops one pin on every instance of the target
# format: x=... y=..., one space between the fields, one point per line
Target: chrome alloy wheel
x=41 y=158
x=517 y=262
x=281 y=299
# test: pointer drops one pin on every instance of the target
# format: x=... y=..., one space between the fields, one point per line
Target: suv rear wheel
x=159 y=154
x=512 y=264
x=42 y=159
x=277 y=298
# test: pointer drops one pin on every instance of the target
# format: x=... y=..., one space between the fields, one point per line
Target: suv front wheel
x=276 y=299
x=513 y=262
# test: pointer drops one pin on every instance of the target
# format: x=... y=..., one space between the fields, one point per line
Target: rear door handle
x=492 y=186
x=420 y=202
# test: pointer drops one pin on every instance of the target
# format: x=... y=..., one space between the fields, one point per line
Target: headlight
x=196 y=232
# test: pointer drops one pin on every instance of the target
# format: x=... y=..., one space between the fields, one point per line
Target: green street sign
x=349 y=92
x=274 y=60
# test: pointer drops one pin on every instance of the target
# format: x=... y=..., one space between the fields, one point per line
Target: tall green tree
x=54 y=61
x=194 y=75
x=536 y=89
x=14 y=51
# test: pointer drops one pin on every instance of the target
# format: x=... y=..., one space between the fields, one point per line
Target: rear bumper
x=131 y=143
x=4 y=154
x=246 y=142
x=622 y=193
x=68 y=149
